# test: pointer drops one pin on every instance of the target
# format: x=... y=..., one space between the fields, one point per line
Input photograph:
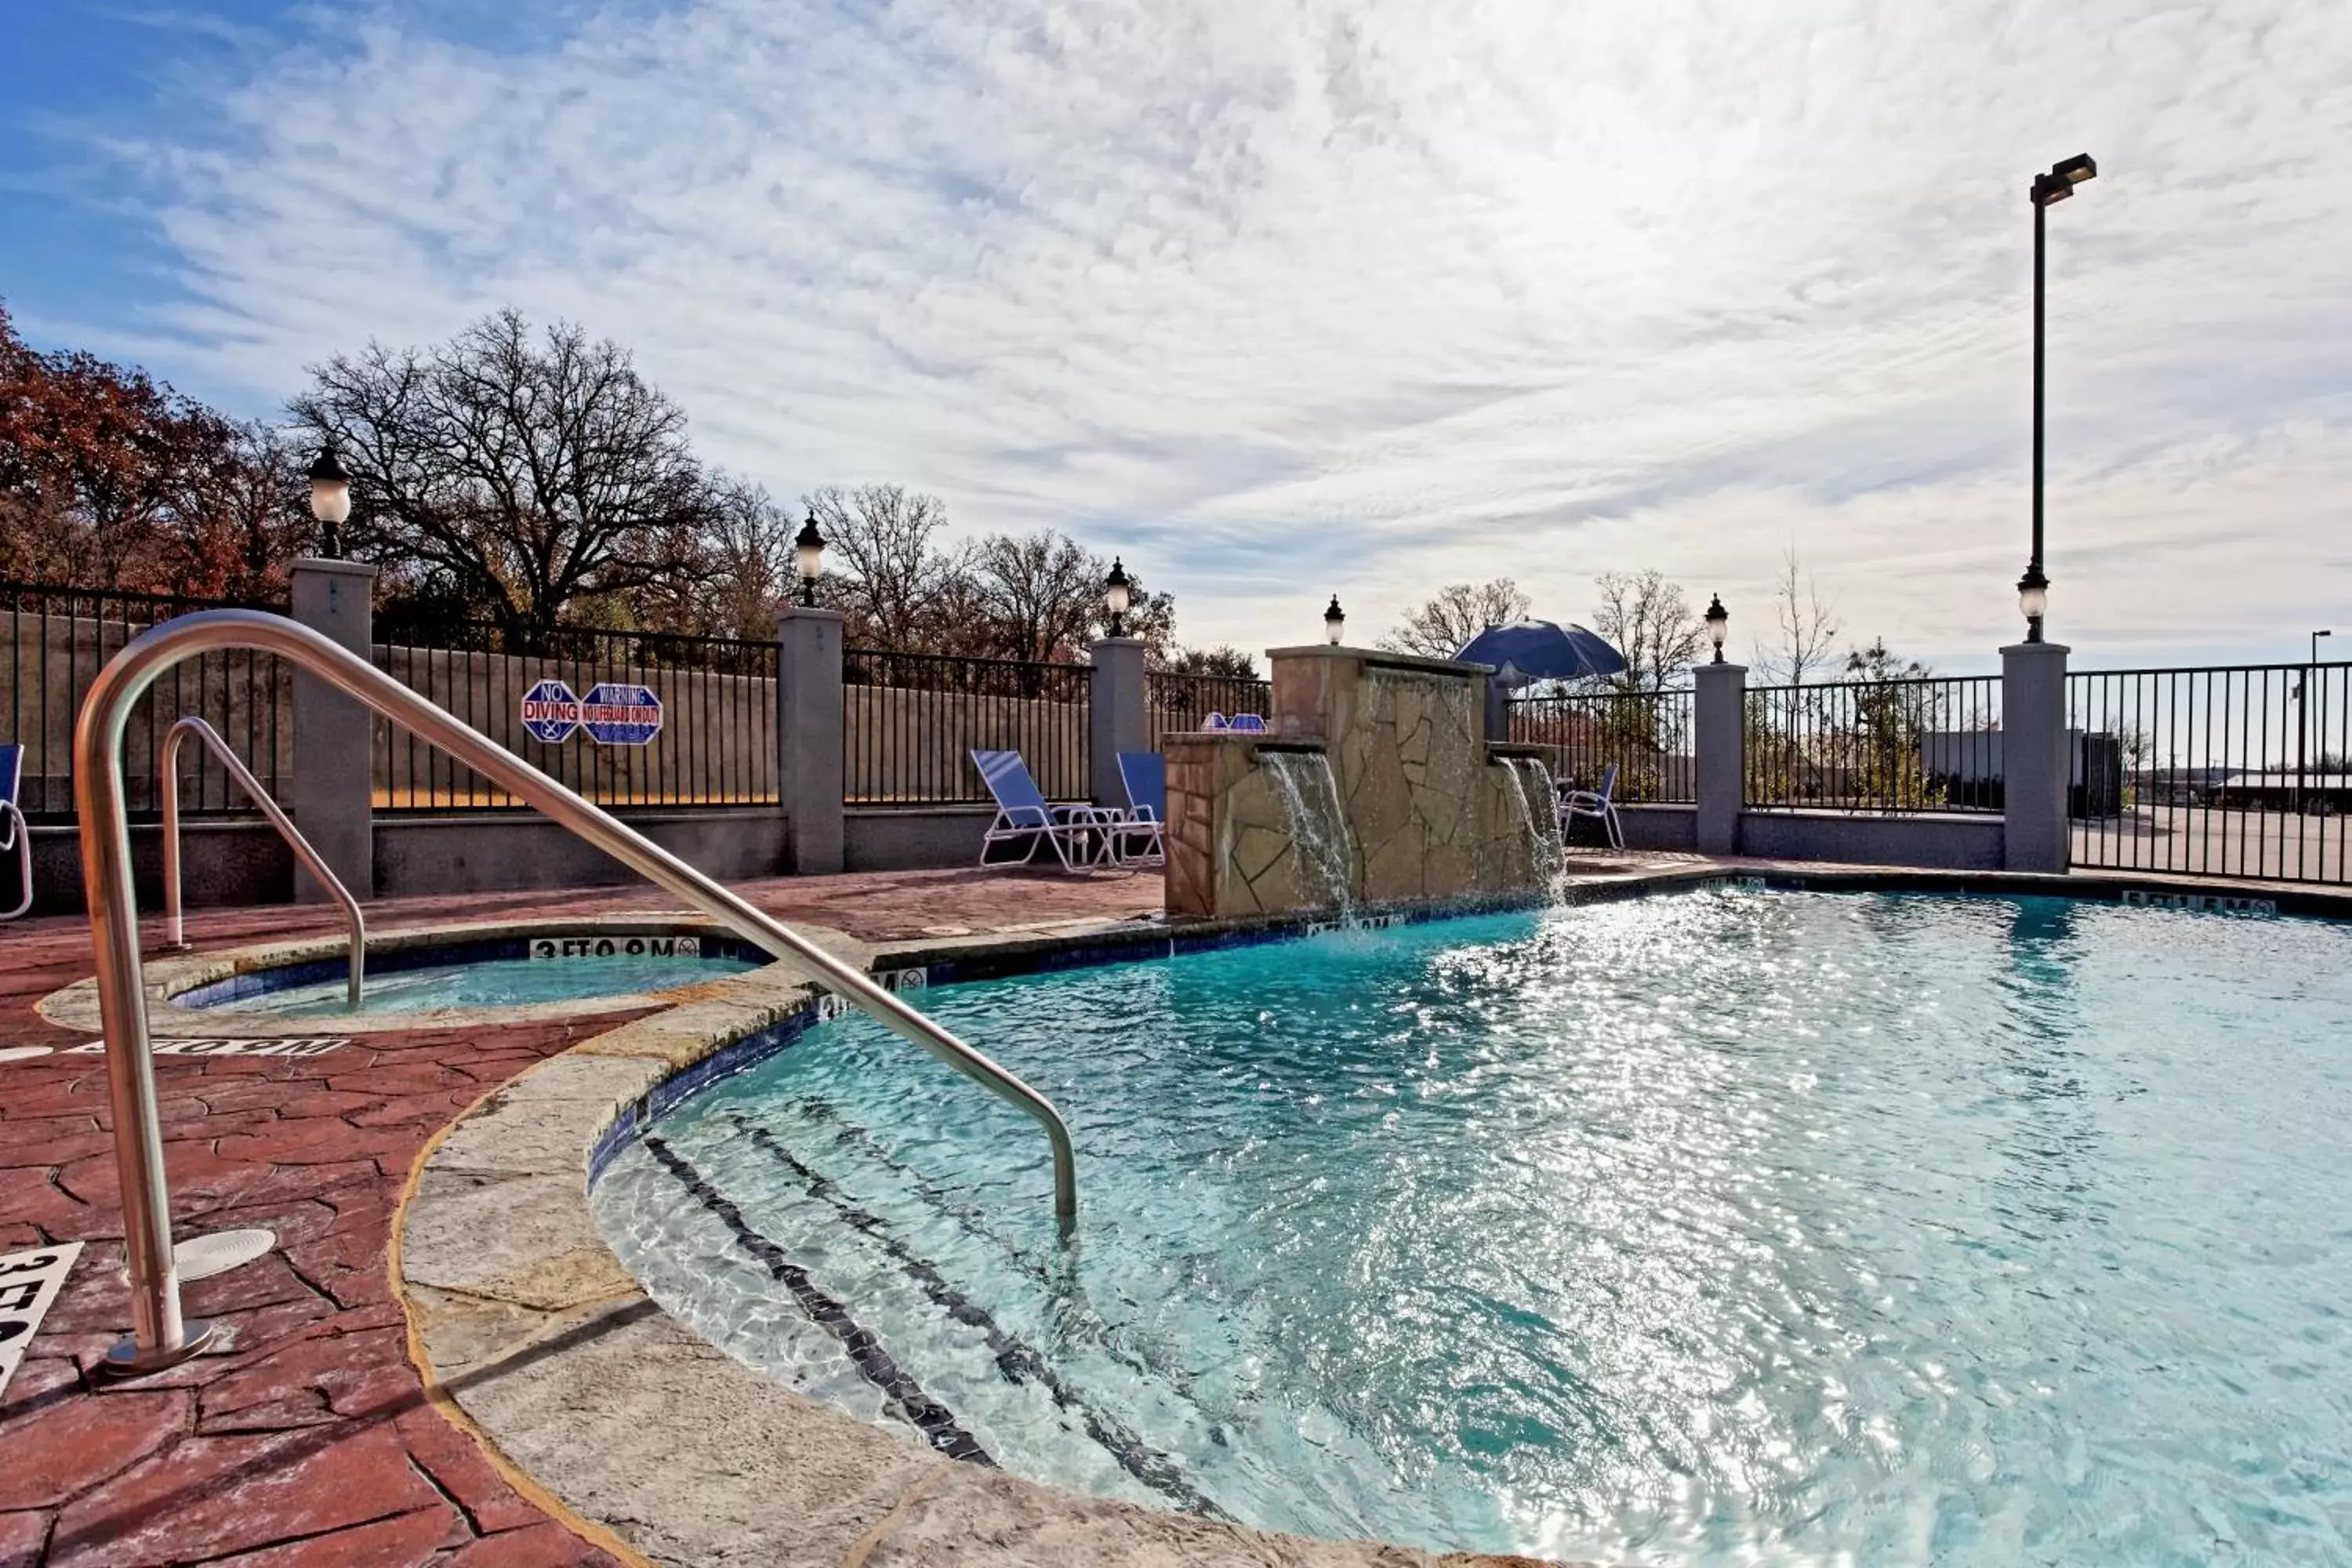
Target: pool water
x=483 y=983
x=1726 y=1227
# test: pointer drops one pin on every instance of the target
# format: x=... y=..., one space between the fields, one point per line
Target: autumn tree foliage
x=110 y=479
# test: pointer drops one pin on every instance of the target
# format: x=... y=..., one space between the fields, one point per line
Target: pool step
x=852 y=1214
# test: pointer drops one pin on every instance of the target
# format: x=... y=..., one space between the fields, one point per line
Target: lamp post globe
x=1718 y=624
x=2033 y=599
x=1118 y=592
x=330 y=499
x=808 y=559
x=1335 y=621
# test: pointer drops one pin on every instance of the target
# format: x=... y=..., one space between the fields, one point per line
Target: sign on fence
x=616 y=714
x=551 y=713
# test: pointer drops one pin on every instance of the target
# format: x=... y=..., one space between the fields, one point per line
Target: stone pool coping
x=171 y=975
x=650 y=1440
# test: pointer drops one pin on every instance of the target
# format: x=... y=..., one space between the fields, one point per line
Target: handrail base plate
x=124 y=1360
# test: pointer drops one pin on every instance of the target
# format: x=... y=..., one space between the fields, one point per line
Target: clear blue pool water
x=485 y=982
x=1732 y=1228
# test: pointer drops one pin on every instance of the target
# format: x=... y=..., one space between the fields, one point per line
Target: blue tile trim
x=637 y=1117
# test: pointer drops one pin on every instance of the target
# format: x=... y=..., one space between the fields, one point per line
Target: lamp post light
x=330 y=500
x=2033 y=588
x=1335 y=621
x=1118 y=593
x=1718 y=624
x=808 y=560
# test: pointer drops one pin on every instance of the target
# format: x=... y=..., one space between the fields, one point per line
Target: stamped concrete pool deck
x=317 y=1433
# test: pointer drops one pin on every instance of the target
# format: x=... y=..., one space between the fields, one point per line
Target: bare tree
x=1808 y=629
x=1649 y=620
x=1043 y=592
x=1459 y=611
x=892 y=569
x=527 y=470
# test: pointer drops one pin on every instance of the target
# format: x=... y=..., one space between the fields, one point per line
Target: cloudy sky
x=1286 y=298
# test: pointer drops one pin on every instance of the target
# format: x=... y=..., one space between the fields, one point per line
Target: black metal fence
x=550 y=703
x=2235 y=772
x=60 y=638
x=1931 y=743
x=1182 y=702
x=1646 y=735
x=910 y=721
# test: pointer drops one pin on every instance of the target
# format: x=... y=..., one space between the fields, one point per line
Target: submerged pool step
x=906 y=1397
x=1018 y=1362
x=1050 y=1271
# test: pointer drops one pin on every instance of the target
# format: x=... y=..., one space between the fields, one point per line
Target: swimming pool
x=1722 y=1228
x=508 y=972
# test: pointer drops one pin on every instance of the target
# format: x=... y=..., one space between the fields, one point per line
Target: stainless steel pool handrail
x=159 y=1337
x=169 y=767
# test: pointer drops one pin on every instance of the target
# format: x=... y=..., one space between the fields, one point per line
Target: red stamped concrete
x=311 y=1440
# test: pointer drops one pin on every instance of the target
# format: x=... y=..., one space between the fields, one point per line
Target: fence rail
x=1647 y=735
x=2228 y=772
x=1924 y=744
x=1181 y=702
x=911 y=720
x=60 y=638
x=716 y=747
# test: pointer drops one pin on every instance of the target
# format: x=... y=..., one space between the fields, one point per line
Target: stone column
x=2036 y=758
x=334 y=769
x=809 y=775
x=1118 y=716
x=1719 y=754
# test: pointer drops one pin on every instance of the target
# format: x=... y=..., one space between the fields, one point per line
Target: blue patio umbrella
x=1541 y=650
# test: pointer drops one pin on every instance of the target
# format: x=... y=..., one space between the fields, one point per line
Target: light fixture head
x=1118 y=591
x=2033 y=599
x=1335 y=621
x=1718 y=624
x=808 y=558
x=2076 y=170
x=330 y=487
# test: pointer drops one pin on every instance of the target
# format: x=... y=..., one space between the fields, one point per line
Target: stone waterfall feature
x=1375 y=787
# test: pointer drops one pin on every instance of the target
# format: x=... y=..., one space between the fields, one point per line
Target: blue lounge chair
x=1141 y=839
x=1078 y=833
x=14 y=836
x=1601 y=804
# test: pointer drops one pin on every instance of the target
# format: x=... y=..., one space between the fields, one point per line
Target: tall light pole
x=2303 y=722
x=2033 y=588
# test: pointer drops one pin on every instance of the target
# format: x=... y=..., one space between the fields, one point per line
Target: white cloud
x=1288 y=298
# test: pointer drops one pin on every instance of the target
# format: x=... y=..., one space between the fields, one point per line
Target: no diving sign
x=551 y=713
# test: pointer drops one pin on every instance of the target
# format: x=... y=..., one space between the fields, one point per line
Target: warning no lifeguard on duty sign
x=614 y=713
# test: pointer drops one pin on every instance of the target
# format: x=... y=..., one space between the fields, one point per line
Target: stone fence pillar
x=809 y=778
x=2036 y=758
x=1719 y=754
x=1118 y=716
x=330 y=798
